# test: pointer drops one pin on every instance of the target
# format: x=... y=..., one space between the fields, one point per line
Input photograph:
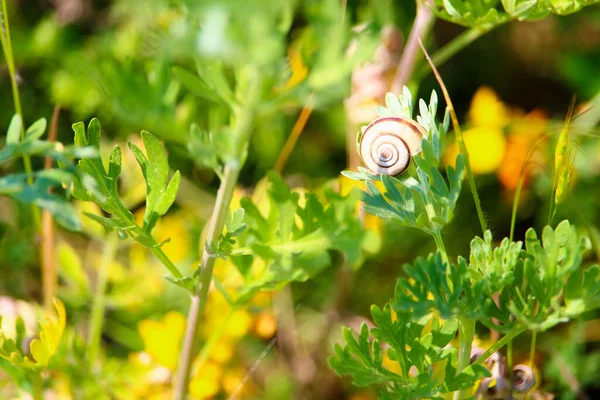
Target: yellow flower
x=217 y=310
x=265 y=325
x=238 y=325
x=172 y=227
x=523 y=134
x=487 y=109
x=486 y=147
x=206 y=383
x=262 y=299
x=222 y=351
x=162 y=338
x=232 y=382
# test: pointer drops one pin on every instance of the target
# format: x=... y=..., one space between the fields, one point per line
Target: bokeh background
x=114 y=60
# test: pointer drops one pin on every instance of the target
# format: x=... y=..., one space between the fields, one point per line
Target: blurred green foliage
x=174 y=67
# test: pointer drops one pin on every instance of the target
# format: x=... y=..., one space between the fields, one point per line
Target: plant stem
x=99 y=302
x=466 y=333
x=198 y=302
x=498 y=345
x=297 y=130
x=437 y=236
x=10 y=62
x=513 y=218
x=160 y=254
x=37 y=390
x=244 y=119
x=420 y=30
x=532 y=349
x=509 y=360
x=460 y=140
x=48 y=242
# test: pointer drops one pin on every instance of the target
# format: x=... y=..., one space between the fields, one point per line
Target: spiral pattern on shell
x=524 y=378
x=388 y=143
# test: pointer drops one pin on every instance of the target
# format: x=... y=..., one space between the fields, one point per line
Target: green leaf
x=194 y=84
x=14 y=130
x=93 y=183
x=155 y=169
x=36 y=130
x=292 y=236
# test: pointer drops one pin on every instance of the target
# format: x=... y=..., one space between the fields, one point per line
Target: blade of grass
x=297 y=130
x=460 y=140
x=5 y=40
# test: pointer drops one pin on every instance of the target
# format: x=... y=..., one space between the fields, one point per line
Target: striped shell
x=388 y=143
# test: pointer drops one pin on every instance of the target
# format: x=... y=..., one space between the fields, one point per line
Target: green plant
x=237 y=70
x=536 y=286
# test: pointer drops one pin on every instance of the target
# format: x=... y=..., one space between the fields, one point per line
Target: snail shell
x=388 y=143
x=524 y=378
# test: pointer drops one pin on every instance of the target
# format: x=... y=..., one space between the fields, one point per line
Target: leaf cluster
x=93 y=182
x=41 y=349
x=421 y=198
x=288 y=236
x=537 y=287
x=36 y=188
x=486 y=14
x=419 y=347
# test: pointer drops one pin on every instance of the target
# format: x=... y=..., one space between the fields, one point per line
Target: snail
x=524 y=378
x=388 y=143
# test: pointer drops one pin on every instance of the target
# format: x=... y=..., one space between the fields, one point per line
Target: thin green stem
x=498 y=345
x=5 y=40
x=466 y=334
x=99 y=302
x=509 y=360
x=532 y=349
x=156 y=250
x=37 y=390
x=461 y=143
x=513 y=218
x=243 y=122
x=160 y=254
x=437 y=236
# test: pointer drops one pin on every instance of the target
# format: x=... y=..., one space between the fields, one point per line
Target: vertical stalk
x=244 y=118
x=459 y=138
x=509 y=361
x=48 y=243
x=5 y=40
x=466 y=333
x=420 y=30
x=99 y=302
x=532 y=349
x=437 y=236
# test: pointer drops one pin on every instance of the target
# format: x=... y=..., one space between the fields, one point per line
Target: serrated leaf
x=52 y=329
